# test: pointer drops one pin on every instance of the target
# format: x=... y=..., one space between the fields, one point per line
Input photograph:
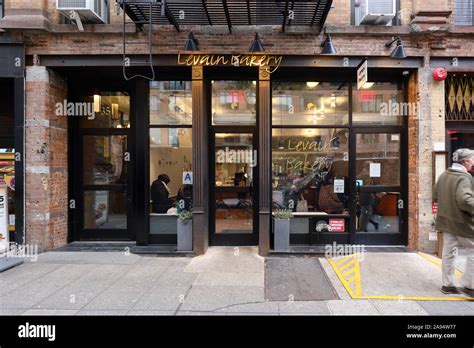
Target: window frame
x=395 y=21
x=455 y=22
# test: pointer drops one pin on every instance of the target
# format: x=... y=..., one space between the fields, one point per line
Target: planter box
x=282 y=235
x=185 y=236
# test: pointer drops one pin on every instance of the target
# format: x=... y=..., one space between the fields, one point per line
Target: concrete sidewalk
x=225 y=281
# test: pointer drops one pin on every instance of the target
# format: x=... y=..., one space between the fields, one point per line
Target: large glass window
x=378 y=159
x=103 y=159
x=104 y=110
x=310 y=169
x=380 y=103
x=105 y=166
x=234 y=102
x=170 y=103
x=234 y=163
x=170 y=157
x=310 y=103
x=378 y=212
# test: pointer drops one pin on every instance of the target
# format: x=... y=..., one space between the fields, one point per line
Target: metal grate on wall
x=229 y=12
x=459 y=98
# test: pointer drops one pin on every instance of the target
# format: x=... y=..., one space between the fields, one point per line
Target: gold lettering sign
x=248 y=60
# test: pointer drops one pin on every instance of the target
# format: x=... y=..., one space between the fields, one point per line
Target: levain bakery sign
x=246 y=60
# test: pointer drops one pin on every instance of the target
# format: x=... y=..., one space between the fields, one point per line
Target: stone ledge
x=32 y=22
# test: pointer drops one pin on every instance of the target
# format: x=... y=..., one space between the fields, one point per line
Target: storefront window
x=104 y=110
x=170 y=103
x=380 y=103
x=310 y=103
x=378 y=159
x=7 y=179
x=171 y=177
x=234 y=102
x=310 y=170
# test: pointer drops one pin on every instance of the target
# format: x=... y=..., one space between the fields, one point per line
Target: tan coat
x=454 y=193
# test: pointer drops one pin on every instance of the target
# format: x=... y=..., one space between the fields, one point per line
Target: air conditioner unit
x=374 y=12
x=92 y=11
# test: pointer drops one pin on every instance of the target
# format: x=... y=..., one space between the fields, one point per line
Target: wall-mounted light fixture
x=97 y=103
x=368 y=85
x=115 y=111
x=399 y=51
x=312 y=84
x=328 y=47
x=256 y=45
x=191 y=43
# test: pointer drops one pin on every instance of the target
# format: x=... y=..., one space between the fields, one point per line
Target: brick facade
x=426 y=28
x=46 y=160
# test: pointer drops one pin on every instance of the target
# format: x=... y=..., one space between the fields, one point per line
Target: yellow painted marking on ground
x=349 y=274
x=437 y=262
x=344 y=260
x=341 y=278
x=355 y=280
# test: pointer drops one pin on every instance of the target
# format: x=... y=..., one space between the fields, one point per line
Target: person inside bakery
x=160 y=194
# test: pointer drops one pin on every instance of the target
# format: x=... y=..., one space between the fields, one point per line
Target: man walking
x=454 y=193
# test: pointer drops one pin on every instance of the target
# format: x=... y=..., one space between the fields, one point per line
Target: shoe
x=449 y=290
x=467 y=291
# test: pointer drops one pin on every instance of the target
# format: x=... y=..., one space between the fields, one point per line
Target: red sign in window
x=434 y=208
x=337 y=225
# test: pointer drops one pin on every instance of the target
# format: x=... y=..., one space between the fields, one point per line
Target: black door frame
x=126 y=234
x=89 y=84
x=232 y=239
x=353 y=129
x=380 y=238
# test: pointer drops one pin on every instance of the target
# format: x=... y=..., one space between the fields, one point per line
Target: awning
x=311 y=13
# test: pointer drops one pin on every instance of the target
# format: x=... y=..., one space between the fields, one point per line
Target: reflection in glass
x=104 y=159
x=234 y=212
x=311 y=172
x=113 y=111
x=170 y=103
x=170 y=155
x=378 y=212
x=378 y=159
x=234 y=103
x=310 y=103
x=105 y=210
x=382 y=103
x=235 y=159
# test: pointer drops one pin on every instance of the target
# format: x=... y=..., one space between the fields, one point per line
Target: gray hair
x=461 y=155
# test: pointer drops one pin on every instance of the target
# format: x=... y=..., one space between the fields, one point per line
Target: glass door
x=105 y=196
x=379 y=197
x=233 y=217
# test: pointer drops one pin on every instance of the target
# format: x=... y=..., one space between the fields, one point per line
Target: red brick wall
x=46 y=174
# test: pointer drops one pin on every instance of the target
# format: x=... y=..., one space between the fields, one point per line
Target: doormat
x=297 y=279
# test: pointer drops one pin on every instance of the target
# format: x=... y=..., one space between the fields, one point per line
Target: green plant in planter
x=185 y=216
x=282 y=214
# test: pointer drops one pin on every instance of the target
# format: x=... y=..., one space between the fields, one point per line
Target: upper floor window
x=375 y=12
x=2 y=5
x=464 y=12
